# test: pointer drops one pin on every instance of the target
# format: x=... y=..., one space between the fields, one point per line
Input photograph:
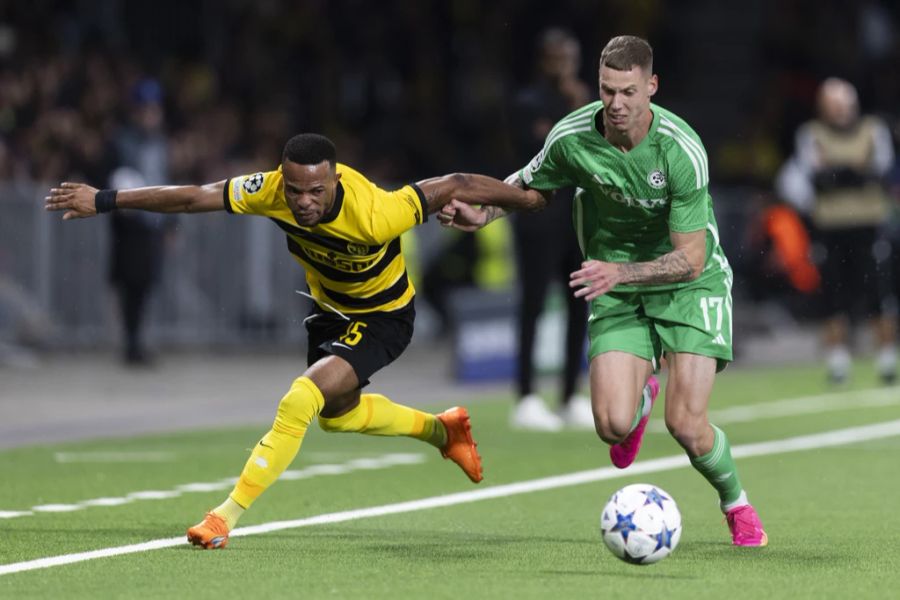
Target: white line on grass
x=805 y=442
x=804 y=405
x=383 y=461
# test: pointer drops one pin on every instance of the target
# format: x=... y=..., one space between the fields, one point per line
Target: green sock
x=718 y=468
x=642 y=409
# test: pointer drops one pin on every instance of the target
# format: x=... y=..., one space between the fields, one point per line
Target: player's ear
x=652 y=85
x=337 y=177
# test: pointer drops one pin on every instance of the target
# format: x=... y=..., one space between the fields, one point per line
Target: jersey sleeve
x=394 y=212
x=688 y=186
x=254 y=194
x=547 y=170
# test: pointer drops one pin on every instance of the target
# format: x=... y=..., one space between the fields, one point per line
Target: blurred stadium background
x=191 y=91
x=204 y=90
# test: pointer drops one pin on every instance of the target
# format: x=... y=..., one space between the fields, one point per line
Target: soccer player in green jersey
x=655 y=275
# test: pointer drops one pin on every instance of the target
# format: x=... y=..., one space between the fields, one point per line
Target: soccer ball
x=641 y=524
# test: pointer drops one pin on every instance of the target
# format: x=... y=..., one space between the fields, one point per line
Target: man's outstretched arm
x=455 y=196
x=80 y=200
x=479 y=189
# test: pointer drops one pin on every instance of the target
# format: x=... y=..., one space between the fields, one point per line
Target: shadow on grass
x=793 y=555
x=644 y=572
x=443 y=536
x=420 y=544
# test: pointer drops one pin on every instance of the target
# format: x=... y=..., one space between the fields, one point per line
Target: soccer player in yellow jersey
x=344 y=231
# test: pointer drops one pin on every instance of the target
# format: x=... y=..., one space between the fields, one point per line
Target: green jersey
x=627 y=202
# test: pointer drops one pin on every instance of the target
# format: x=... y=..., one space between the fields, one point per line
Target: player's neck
x=629 y=139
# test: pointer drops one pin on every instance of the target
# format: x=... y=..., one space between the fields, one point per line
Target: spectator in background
x=838 y=169
x=136 y=251
x=556 y=92
x=142 y=143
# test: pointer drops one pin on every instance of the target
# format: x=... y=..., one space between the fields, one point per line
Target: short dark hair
x=309 y=149
x=625 y=52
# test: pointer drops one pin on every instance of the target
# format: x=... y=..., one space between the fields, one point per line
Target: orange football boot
x=211 y=533
x=460 y=447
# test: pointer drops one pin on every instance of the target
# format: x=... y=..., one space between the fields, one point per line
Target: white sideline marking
x=55 y=508
x=805 y=442
x=11 y=514
x=358 y=464
x=804 y=405
x=106 y=502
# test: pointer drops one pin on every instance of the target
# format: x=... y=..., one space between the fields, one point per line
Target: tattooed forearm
x=668 y=268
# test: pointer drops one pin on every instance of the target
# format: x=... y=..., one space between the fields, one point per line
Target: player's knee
x=301 y=404
x=609 y=430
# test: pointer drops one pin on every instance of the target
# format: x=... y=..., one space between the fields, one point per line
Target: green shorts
x=695 y=319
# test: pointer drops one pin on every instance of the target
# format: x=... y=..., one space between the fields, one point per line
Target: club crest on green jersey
x=656 y=179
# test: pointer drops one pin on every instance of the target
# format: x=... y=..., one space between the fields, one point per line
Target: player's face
x=626 y=97
x=309 y=190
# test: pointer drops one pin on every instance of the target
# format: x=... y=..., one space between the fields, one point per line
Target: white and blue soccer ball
x=641 y=524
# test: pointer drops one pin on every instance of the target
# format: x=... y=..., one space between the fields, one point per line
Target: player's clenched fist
x=462 y=216
x=77 y=199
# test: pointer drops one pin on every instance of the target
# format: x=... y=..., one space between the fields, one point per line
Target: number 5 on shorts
x=353 y=335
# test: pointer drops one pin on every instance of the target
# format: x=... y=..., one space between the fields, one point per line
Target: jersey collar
x=332 y=214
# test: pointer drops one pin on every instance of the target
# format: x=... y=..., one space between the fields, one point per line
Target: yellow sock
x=231 y=511
x=275 y=451
x=377 y=415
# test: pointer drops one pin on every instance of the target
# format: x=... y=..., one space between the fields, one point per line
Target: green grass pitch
x=831 y=513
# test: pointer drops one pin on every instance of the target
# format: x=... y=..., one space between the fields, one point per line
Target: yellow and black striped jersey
x=352 y=257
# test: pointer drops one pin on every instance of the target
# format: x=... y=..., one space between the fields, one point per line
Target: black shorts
x=368 y=341
x=856 y=272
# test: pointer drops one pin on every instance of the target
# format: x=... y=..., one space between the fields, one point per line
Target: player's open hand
x=77 y=199
x=462 y=216
x=594 y=279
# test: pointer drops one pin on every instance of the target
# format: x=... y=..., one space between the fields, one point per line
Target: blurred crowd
x=406 y=89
